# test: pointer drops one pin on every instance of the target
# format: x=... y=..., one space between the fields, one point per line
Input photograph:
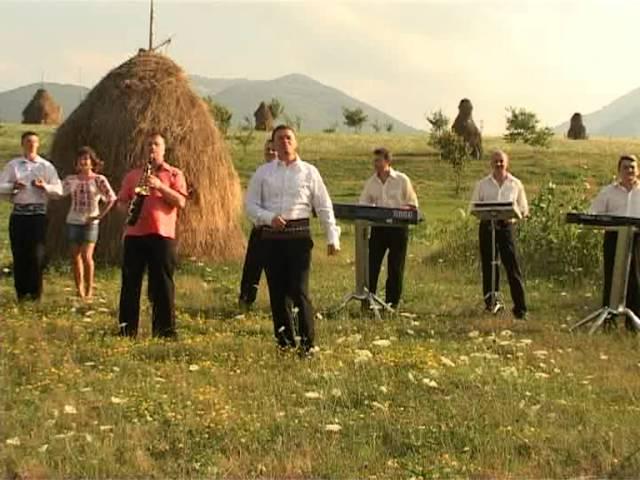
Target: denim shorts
x=82 y=233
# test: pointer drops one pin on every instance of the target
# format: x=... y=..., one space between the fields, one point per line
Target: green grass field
x=440 y=390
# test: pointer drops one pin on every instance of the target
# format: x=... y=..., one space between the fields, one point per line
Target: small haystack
x=42 y=109
x=465 y=127
x=264 y=118
x=149 y=92
x=577 y=130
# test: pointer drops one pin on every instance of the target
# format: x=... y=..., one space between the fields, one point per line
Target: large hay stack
x=42 y=109
x=263 y=118
x=149 y=92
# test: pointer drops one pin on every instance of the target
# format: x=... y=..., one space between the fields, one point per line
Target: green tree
x=354 y=118
x=376 y=125
x=389 y=127
x=331 y=128
x=452 y=148
x=244 y=135
x=524 y=126
x=276 y=107
x=221 y=115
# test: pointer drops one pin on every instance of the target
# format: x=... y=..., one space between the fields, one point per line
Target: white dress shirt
x=614 y=199
x=291 y=192
x=26 y=171
x=395 y=192
x=511 y=190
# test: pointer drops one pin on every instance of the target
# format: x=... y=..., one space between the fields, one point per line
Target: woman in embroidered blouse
x=87 y=189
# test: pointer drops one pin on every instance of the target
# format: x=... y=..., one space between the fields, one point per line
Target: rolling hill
x=318 y=105
x=620 y=118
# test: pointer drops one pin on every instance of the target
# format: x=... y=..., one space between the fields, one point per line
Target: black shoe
x=520 y=315
x=244 y=305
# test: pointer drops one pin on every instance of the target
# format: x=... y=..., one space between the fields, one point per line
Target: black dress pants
x=27 y=234
x=287 y=265
x=394 y=240
x=505 y=251
x=157 y=255
x=252 y=268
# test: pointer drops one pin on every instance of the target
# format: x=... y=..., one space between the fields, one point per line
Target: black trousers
x=287 y=265
x=506 y=251
x=395 y=240
x=252 y=268
x=633 y=287
x=157 y=255
x=27 y=234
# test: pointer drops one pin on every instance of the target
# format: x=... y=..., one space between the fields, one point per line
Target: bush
x=548 y=247
x=452 y=148
x=221 y=114
x=523 y=126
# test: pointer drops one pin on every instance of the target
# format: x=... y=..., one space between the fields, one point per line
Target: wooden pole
x=151 y=26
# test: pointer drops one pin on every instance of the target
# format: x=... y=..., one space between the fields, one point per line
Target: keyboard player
x=388 y=187
x=500 y=185
x=621 y=197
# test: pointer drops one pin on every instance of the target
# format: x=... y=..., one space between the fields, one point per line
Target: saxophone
x=141 y=192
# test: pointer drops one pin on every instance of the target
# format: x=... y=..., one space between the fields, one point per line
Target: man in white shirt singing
x=280 y=197
x=622 y=197
x=29 y=180
x=388 y=188
x=501 y=186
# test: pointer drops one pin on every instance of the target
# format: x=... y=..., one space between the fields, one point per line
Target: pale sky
x=407 y=58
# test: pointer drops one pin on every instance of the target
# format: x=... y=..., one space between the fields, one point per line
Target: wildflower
x=15 y=441
x=430 y=383
x=336 y=392
x=381 y=343
x=194 y=368
x=473 y=334
x=332 y=427
x=43 y=448
x=313 y=395
x=70 y=410
x=445 y=361
x=118 y=400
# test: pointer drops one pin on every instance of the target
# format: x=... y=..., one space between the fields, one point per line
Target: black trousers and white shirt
x=290 y=191
x=615 y=199
x=511 y=190
x=28 y=221
x=395 y=192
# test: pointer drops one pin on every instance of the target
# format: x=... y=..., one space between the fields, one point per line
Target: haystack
x=577 y=130
x=263 y=118
x=149 y=92
x=42 y=109
x=465 y=127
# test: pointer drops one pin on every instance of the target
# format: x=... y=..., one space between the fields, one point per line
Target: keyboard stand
x=619 y=285
x=369 y=300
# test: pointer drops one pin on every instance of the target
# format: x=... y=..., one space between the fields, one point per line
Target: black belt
x=500 y=224
x=292 y=229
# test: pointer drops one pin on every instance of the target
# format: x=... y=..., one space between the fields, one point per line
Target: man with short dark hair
x=150 y=242
x=390 y=188
x=280 y=197
x=30 y=180
x=621 y=197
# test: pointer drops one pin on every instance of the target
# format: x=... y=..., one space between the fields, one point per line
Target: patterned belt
x=292 y=230
x=29 y=209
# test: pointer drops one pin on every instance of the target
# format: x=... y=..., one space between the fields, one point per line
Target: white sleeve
x=476 y=195
x=521 y=201
x=324 y=208
x=7 y=179
x=599 y=204
x=253 y=201
x=52 y=185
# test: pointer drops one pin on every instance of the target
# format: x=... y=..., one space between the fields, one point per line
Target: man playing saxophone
x=149 y=239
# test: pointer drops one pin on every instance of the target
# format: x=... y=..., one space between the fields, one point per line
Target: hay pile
x=263 y=118
x=149 y=92
x=466 y=128
x=577 y=130
x=42 y=109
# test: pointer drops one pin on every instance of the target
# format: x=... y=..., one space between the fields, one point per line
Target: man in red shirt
x=150 y=243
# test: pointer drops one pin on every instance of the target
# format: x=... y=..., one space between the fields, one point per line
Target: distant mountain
x=318 y=105
x=620 y=118
x=12 y=102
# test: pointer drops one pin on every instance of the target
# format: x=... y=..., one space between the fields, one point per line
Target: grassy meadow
x=440 y=390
